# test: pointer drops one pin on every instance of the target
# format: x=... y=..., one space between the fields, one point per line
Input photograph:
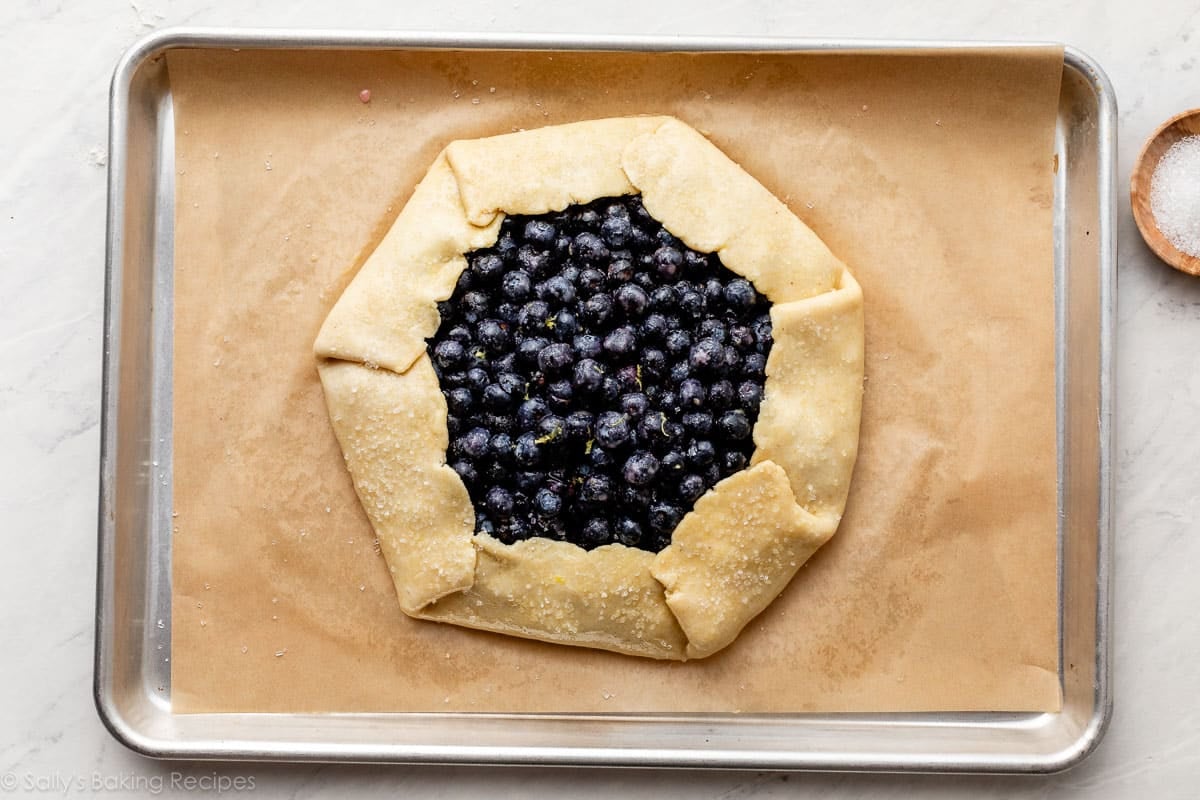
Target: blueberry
x=591 y=280
x=634 y=405
x=692 y=394
x=664 y=517
x=691 y=487
x=610 y=390
x=530 y=350
x=501 y=447
x=720 y=395
x=616 y=230
x=507 y=242
x=729 y=361
x=508 y=312
x=680 y=372
x=493 y=335
x=653 y=327
x=540 y=232
x=706 y=355
x=692 y=304
x=496 y=397
x=519 y=529
x=673 y=462
x=734 y=425
x=711 y=474
x=588 y=375
x=465 y=281
x=566 y=325
x=663 y=298
x=762 y=332
x=612 y=430
x=700 y=453
x=620 y=272
x=557 y=290
x=596 y=491
x=594 y=533
x=627 y=531
x=640 y=469
x=596 y=309
x=698 y=423
x=742 y=337
x=504 y=363
x=570 y=273
x=466 y=471
x=713 y=329
x=677 y=342
x=587 y=345
x=550 y=428
x=668 y=260
x=621 y=342
x=629 y=379
x=749 y=394
x=460 y=400
x=600 y=458
x=585 y=218
x=527 y=451
x=512 y=383
x=652 y=428
x=533 y=261
x=561 y=394
x=739 y=294
x=531 y=411
x=754 y=366
x=562 y=246
x=460 y=334
x=533 y=316
x=516 y=285
x=485 y=525
x=696 y=263
x=449 y=354
x=653 y=362
x=499 y=502
x=488 y=268
x=633 y=300
x=473 y=444
x=547 y=504
x=555 y=358
x=714 y=291
x=454 y=425
x=579 y=425
x=589 y=247
x=733 y=461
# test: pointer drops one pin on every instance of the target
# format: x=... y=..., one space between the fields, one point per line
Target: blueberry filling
x=600 y=376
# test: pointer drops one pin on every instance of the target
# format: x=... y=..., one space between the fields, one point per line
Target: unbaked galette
x=597 y=386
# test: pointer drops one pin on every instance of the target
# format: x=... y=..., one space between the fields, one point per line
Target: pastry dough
x=743 y=541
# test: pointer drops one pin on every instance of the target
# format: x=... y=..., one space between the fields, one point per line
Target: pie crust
x=741 y=544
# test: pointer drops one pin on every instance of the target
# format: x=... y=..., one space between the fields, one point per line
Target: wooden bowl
x=1174 y=129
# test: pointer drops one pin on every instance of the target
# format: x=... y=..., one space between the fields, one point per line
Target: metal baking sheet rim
x=138 y=713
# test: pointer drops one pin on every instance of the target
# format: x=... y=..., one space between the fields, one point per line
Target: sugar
x=1175 y=195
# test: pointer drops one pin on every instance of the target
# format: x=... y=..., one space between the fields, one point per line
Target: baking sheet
x=930 y=176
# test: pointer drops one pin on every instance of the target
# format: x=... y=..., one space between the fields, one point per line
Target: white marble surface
x=55 y=63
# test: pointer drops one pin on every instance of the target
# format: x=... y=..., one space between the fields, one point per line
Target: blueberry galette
x=597 y=386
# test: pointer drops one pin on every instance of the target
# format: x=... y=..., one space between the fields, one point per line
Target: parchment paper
x=929 y=175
